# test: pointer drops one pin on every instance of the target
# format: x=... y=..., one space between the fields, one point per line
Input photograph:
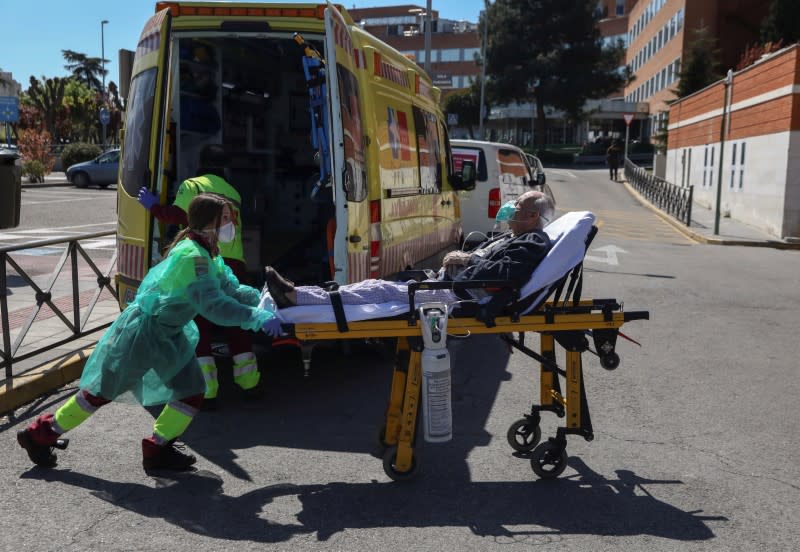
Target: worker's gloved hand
x=146 y=198
x=272 y=327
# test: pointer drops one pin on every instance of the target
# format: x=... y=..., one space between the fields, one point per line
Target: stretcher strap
x=338 y=311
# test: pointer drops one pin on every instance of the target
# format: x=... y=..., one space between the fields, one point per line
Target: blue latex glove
x=272 y=327
x=146 y=198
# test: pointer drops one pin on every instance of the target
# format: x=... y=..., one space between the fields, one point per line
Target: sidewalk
x=52 y=179
x=731 y=232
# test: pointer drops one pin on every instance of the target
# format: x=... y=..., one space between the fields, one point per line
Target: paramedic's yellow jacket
x=149 y=350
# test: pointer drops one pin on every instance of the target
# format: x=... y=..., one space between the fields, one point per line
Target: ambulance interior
x=249 y=94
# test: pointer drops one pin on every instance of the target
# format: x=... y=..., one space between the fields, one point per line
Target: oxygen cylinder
x=436 y=401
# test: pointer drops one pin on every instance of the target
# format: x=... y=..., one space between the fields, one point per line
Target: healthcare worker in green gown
x=149 y=351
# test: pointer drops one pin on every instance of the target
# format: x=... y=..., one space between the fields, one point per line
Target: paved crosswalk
x=632 y=225
x=19 y=237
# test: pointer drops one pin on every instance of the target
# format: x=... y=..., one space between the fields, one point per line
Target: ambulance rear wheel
x=549 y=460
x=523 y=435
x=389 y=466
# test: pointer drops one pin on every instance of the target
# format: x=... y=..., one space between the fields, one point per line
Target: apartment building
x=661 y=31
x=454 y=44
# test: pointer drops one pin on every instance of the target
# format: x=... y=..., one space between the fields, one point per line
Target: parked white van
x=502 y=174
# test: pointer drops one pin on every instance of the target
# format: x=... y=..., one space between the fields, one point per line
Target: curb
x=41 y=380
x=700 y=238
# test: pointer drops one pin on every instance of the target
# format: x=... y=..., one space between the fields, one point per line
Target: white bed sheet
x=567 y=233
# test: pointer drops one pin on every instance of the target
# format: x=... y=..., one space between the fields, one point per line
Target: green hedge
x=78 y=153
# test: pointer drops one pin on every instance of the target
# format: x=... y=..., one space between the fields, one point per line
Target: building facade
x=757 y=175
x=455 y=45
x=661 y=31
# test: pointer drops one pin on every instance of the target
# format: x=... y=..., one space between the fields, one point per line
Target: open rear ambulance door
x=339 y=50
x=142 y=148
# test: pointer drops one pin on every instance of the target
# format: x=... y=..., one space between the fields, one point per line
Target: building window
x=733 y=165
x=741 y=166
x=470 y=53
x=449 y=54
x=620 y=7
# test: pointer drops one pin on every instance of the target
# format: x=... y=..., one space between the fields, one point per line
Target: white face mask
x=226 y=233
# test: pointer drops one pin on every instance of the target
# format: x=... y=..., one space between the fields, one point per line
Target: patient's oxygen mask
x=505 y=213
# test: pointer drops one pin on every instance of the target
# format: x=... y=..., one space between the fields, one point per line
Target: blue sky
x=35 y=31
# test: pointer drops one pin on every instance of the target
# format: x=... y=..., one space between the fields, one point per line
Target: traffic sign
x=105 y=116
x=452 y=119
x=9 y=109
x=628 y=118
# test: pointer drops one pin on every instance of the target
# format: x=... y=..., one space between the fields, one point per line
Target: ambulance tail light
x=375 y=237
x=494 y=202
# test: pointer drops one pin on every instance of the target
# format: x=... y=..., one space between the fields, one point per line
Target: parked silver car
x=102 y=170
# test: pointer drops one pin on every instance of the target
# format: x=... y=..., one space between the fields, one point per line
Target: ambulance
x=336 y=141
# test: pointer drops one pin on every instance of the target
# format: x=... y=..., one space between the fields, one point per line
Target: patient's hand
x=455 y=259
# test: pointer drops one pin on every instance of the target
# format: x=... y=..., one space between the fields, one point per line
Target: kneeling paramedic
x=149 y=351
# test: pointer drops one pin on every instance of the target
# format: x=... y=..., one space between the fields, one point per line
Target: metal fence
x=670 y=198
x=43 y=295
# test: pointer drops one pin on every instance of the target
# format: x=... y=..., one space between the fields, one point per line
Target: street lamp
x=103 y=71
x=426 y=18
x=483 y=67
x=722 y=129
x=103 y=54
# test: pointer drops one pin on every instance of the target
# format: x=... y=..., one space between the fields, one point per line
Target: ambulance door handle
x=443 y=203
x=355 y=239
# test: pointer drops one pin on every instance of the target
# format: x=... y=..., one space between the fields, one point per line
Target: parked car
x=503 y=173
x=537 y=170
x=102 y=170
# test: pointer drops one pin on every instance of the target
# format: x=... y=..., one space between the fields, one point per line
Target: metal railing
x=43 y=295
x=670 y=198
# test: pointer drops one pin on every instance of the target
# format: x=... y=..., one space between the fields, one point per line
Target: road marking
x=26 y=202
x=610 y=252
x=563 y=172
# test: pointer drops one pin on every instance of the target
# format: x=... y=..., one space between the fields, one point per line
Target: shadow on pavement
x=536 y=511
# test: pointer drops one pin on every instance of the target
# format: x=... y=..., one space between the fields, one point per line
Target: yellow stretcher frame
x=565 y=324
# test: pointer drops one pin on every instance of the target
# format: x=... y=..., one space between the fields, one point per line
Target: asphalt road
x=696 y=440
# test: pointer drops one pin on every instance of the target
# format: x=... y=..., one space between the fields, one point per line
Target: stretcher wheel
x=523 y=435
x=389 y=458
x=609 y=361
x=547 y=462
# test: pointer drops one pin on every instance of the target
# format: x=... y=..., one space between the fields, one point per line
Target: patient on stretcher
x=512 y=256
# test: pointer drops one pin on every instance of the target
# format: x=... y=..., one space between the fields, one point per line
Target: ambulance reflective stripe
x=130 y=260
x=150 y=39
x=374 y=237
x=172 y=421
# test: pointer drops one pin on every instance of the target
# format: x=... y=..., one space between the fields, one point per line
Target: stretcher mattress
x=567 y=234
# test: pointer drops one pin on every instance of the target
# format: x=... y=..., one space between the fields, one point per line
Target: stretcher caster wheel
x=523 y=435
x=547 y=462
x=609 y=361
x=389 y=459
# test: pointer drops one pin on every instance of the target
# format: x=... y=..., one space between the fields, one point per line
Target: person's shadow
x=586 y=503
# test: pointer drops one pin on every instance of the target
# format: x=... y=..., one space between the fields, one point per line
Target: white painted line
x=562 y=172
x=610 y=251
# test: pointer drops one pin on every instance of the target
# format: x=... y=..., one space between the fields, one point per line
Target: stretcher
x=535 y=307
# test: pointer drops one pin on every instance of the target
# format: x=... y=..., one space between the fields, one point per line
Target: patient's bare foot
x=279 y=287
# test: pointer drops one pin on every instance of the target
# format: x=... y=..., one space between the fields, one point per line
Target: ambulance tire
x=389 y=459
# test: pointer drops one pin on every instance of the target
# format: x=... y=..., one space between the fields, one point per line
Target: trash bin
x=10 y=188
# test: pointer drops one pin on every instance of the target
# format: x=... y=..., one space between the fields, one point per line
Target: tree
x=47 y=96
x=700 y=64
x=85 y=69
x=466 y=104
x=550 y=52
x=782 y=22
x=83 y=104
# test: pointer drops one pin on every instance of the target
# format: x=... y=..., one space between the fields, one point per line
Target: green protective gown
x=149 y=349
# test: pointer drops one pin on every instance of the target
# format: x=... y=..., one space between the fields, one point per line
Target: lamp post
x=722 y=130
x=103 y=23
x=483 y=68
x=426 y=22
